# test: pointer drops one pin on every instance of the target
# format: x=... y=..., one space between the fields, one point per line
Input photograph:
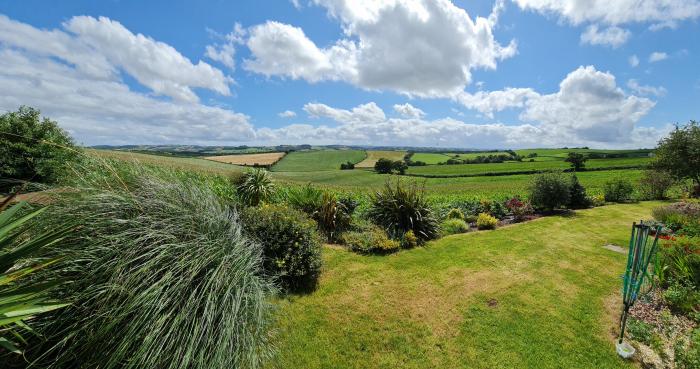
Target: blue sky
x=475 y=74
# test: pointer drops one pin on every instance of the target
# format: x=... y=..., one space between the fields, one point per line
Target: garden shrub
x=577 y=195
x=618 y=190
x=453 y=226
x=399 y=208
x=455 y=214
x=291 y=246
x=333 y=217
x=640 y=331
x=680 y=261
x=550 y=191
x=470 y=218
x=682 y=298
x=655 y=184
x=597 y=200
x=371 y=240
x=33 y=149
x=485 y=221
x=520 y=209
x=255 y=187
x=409 y=240
x=158 y=267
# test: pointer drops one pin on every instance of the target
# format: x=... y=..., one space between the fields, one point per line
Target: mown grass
x=507 y=167
x=315 y=160
x=542 y=294
x=374 y=155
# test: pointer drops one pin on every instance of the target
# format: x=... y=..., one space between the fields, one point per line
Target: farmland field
x=374 y=155
x=481 y=169
x=368 y=181
x=315 y=160
x=268 y=158
x=429 y=157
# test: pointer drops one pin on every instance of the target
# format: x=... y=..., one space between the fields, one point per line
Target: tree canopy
x=678 y=154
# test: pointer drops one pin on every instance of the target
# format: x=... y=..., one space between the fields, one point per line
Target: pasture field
x=429 y=157
x=315 y=160
x=268 y=158
x=481 y=186
x=514 y=167
x=374 y=155
x=541 y=294
x=562 y=153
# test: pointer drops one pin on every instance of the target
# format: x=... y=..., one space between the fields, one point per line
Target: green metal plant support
x=638 y=274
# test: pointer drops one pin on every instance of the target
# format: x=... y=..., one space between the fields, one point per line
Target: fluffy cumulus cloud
x=589 y=109
x=633 y=61
x=408 y=111
x=73 y=76
x=421 y=48
x=611 y=36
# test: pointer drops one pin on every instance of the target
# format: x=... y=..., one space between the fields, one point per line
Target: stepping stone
x=615 y=248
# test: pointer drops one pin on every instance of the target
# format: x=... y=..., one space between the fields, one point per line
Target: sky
x=467 y=74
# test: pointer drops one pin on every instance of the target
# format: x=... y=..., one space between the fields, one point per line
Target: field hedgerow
x=161 y=277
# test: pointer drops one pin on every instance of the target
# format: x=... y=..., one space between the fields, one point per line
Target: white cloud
x=657 y=56
x=296 y=3
x=633 y=61
x=287 y=114
x=611 y=36
x=417 y=47
x=615 y=12
x=365 y=113
x=634 y=85
x=409 y=111
x=225 y=51
x=670 y=24
x=76 y=82
x=154 y=64
x=349 y=127
x=488 y=102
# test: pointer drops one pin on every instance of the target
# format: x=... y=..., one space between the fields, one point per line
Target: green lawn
x=542 y=294
x=480 y=169
x=315 y=160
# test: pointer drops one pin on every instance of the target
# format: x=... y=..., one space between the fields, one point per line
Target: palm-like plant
x=255 y=187
x=19 y=302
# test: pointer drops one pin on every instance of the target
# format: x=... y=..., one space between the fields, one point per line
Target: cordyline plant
x=161 y=277
x=400 y=208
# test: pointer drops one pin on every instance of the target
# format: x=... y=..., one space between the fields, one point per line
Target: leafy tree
x=347 y=166
x=383 y=166
x=399 y=167
x=655 y=184
x=577 y=160
x=679 y=154
x=31 y=148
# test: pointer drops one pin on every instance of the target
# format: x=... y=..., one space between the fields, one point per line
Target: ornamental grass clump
x=161 y=277
x=399 y=208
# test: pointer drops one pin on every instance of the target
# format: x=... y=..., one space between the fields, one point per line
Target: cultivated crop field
x=268 y=158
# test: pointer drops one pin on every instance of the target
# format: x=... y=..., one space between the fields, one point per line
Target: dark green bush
x=654 y=184
x=291 y=246
x=33 y=149
x=158 y=268
x=578 y=199
x=682 y=298
x=618 y=190
x=549 y=191
x=680 y=261
x=333 y=217
x=399 y=208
